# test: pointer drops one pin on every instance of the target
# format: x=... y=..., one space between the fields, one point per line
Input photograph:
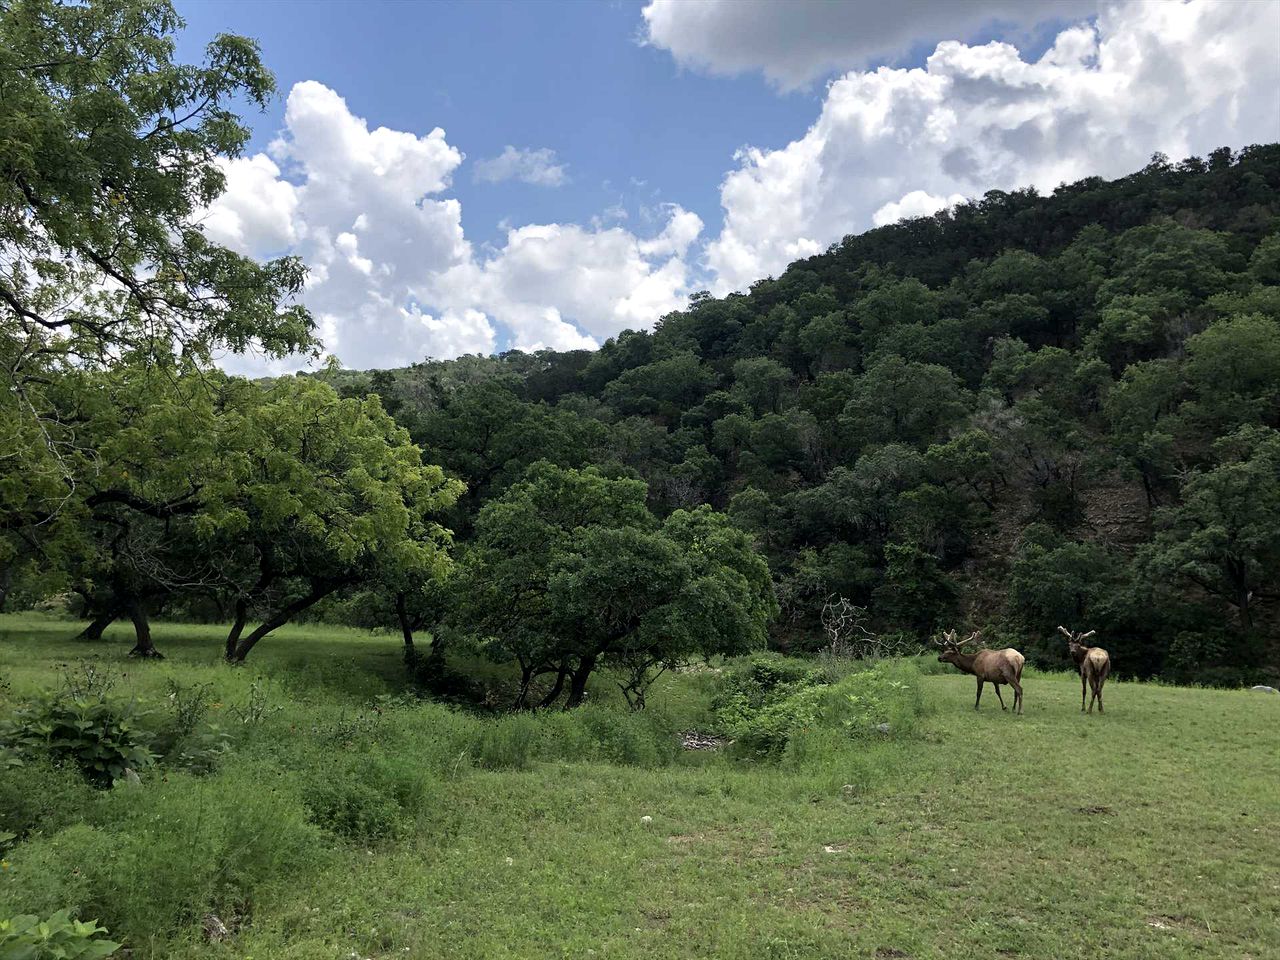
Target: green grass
x=422 y=832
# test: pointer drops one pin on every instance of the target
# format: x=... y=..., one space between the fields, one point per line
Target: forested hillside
x=1026 y=411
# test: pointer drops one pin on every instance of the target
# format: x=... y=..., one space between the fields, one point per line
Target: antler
x=1076 y=637
x=948 y=639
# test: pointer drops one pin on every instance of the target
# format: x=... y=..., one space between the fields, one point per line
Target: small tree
x=318 y=494
x=570 y=570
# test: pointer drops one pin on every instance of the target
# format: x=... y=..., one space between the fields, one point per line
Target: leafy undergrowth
x=345 y=818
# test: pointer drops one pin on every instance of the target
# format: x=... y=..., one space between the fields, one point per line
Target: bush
x=364 y=797
x=767 y=729
x=888 y=695
x=764 y=697
x=858 y=705
x=643 y=739
x=102 y=738
x=39 y=796
x=186 y=741
x=58 y=938
x=765 y=673
x=505 y=743
x=353 y=810
x=153 y=861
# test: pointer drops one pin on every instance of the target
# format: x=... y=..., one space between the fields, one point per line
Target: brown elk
x=1094 y=664
x=989 y=666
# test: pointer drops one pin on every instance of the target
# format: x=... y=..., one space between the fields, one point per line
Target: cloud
x=1181 y=78
x=917 y=203
x=393 y=278
x=794 y=42
x=256 y=215
x=537 y=167
x=567 y=287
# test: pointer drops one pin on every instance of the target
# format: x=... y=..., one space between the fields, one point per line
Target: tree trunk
x=95 y=629
x=237 y=626
x=527 y=672
x=266 y=577
x=143 y=647
x=578 y=682
x=319 y=590
x=554 y=695
x=406 y=629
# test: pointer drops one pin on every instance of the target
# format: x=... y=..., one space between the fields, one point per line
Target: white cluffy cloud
x=1181 y=78
x=537 y=167
x=794 y=42
x=393 y=278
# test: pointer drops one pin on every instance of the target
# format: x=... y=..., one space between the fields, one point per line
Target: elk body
x=1094 y=664
x=989 y=666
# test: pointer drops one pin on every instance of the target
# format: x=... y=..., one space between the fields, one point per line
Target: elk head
x=950 y=647
x=1076 y=641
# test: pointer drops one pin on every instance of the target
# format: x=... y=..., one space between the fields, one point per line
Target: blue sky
x=680 y=145
x=572 y=77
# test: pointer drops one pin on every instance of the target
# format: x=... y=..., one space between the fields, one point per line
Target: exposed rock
x=882 y=727
x=1262 y=689
x=215 y=931
x=695 y=740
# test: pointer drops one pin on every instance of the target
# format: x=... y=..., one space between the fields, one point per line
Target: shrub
x=353 y=810
x=766 y=696
x=186 y=741
x=505 y=743
x=886 y=695
x=58 y=938
x=155 y=860
x=640 y=739
x=857 y=705
x=764 y=673
x=39 y=796
x=363 y=797
x=101 y=737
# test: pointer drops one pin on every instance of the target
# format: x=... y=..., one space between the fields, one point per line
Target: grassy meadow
x=347 y=819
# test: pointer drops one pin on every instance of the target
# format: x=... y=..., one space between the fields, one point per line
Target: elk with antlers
x=1094 y=664
x=989 y=666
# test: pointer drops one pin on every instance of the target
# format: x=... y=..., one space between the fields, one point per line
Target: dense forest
x=1025 y=411
x=1022 y=412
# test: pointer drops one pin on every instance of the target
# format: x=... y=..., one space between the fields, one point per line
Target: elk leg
x=979 y=700
x=1083 y=683
x=1100 y=696
x=1000 y=698
x=1017 y=696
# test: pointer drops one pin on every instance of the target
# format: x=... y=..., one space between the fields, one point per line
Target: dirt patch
x=684 y=839
x=1095 y=811
x=1176 y=924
